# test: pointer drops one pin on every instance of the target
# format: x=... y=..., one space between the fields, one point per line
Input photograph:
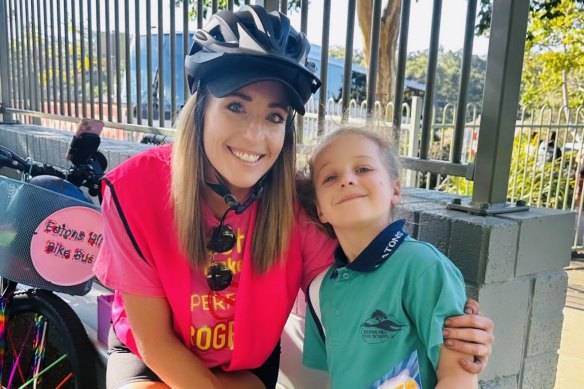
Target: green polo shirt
x=377 y=312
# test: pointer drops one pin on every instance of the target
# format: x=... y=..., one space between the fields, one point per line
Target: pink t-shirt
x=236 y=328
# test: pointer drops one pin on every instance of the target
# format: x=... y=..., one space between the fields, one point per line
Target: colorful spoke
x=69 y=376
x=34 y=351
x=46 y=369
x=3 y=302
x=17 y=358
x=39 y=344
x=14 y=352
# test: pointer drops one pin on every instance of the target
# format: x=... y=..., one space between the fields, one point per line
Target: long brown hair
x=275 y=209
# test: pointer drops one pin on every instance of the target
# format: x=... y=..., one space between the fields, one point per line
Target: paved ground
x=571 y=364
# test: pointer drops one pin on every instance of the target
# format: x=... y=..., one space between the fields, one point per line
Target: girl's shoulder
x=423 y=255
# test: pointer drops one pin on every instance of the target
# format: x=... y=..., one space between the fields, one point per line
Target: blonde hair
x=275 y=209
x=305 y=182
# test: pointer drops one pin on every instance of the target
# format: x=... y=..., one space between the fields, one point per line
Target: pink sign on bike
x=65 y=245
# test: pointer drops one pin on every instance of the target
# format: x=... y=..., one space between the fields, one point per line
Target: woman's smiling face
x=244 y=133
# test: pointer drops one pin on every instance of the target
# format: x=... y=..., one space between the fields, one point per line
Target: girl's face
x=244 y=133
x=353 y=187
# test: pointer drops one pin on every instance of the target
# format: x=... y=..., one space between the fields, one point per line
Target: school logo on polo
x=379 y=328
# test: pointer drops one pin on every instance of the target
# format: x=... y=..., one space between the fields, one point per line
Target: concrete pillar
x=513 y=264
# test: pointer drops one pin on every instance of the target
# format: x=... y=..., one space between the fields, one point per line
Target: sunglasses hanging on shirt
x=219 y=276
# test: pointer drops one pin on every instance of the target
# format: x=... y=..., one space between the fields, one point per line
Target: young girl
x=376 y=315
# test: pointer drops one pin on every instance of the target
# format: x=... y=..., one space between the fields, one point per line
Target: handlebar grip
x=5 y=161
x=11 y=160
x=38 y=169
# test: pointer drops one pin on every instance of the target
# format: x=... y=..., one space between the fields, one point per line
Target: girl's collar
x=377 y=252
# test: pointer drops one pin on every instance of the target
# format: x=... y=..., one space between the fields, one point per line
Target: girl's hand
x=470 y=334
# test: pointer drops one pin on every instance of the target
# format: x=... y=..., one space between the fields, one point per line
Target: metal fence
x=62 y=60
x=547 y=148
x=547 y=161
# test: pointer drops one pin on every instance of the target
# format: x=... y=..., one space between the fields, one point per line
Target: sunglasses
x=219 y=276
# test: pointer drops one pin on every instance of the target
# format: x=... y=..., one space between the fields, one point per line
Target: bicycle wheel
x=45 y=344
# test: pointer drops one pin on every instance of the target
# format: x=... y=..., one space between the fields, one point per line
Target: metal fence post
x=414 y=137
x=324 y=57
x=500 y=101
x=4 y=76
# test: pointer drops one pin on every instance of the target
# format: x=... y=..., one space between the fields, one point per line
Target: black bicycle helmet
x=236 y=49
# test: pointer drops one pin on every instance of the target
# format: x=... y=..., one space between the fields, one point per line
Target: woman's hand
x=470 y=334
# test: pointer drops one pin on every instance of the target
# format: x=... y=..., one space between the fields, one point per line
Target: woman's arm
x=450 y=374
x=163 y=352
x=471 y=334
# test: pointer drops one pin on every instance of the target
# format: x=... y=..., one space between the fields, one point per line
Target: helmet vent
x=292 y=46
x=276 y=27
x=216 y=34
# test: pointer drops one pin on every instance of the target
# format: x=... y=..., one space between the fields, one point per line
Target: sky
x=451 y=26
x=451 y=31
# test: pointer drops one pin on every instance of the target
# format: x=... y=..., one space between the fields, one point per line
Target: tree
x=555 y=56
x=339 y=53
x=545 y=11
x=448 y=75
x=390 y=19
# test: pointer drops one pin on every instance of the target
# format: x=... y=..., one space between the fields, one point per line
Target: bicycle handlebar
x=87 y=174
x=9 y=159
x=38 y=169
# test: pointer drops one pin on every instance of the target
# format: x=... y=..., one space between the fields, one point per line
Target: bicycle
x=43 y=343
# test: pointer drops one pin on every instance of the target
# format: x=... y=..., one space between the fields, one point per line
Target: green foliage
x=546 y=9
x=539 y=181
x=339 y=53
x=553 y=67
x=554 y=58
x=457 y=185
x=448 y=75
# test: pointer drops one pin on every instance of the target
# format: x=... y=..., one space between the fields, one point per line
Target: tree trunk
x=390 y=19
x=565 y=94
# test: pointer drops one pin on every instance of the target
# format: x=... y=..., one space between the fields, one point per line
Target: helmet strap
x=221 y=189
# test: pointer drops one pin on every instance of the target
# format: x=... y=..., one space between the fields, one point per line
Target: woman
x=179 y=221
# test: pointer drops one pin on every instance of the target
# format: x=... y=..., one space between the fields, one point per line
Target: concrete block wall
x=512 y=263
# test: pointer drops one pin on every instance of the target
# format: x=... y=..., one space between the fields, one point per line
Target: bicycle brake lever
x=9 y=159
